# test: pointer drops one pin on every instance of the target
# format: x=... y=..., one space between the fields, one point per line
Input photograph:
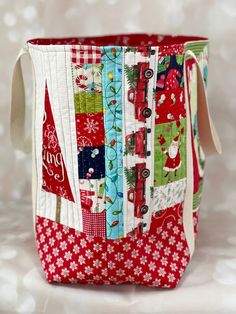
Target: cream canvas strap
x=19 y=137
x=208 y=138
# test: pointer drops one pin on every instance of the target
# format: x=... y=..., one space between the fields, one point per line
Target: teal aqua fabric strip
x=112 y=104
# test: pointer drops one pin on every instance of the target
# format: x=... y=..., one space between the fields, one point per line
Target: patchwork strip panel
x=130 y=130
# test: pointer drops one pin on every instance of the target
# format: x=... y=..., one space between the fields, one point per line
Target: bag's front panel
x=112 y=174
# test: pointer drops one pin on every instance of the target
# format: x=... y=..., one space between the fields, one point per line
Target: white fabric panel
x=59 y=88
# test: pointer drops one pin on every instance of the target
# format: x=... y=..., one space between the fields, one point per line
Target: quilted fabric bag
x=121 y=130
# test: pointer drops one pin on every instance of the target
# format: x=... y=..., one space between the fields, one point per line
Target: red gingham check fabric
x=94 y=223
x=85 y=54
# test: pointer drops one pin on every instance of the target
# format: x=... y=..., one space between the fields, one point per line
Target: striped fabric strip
x=112 y=104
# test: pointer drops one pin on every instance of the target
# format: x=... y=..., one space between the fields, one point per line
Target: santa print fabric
x=130 y=128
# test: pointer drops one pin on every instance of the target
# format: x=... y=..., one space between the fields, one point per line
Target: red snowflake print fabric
x=89 y=129
x=55 y=179
x=157 y=258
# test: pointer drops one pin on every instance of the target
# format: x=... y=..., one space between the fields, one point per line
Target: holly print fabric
x=128 y=117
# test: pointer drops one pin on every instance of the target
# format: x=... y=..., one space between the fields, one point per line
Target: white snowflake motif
x=39 y=228
x=134 y=253
x=89 y=254
x=97 y=247
x=159 y=230
x=126 y=247
x=48 y=258
x=63 y=245
x=171 y=277
x=91 y=126
x=71 y=238
x=45 y=223
x=59 y=262
x=147 y=277
x=76 y=249
x=119 y=256
x=182 y=236
x=64 y=272
x=57 y=278
x=66 y=229
x=88 y=270
x=120 y=272
x=176 y=230
x=73 y=266
x=175 y=256
x=180 y=221
x=68 y=256
x=55 y=251
x=139 y=242
x=97 y=263
x=147 y=248
x=97 y=278
x=173 y=266
x=161 y=272
x=54 y=225
x=164 y=235
x=156 y=255
x=52 y=268
x=179 y=246
x=128 y=263
x=184 y=261
x=83 y=243
x=167 y=251
x=152 y=238
x=80 y=275
x=73 y=280
x=169 y=225
x=59 y=235
x=181 y=271
x=137 y=270
x=172 y=240
x=51 y=241
x=129 y=278
x=164 y=261
x=110 y=248
x=111 y=265
x=42 y=238
x=48 y=232
x=81 y=260
x=159 y=245
x=152 y=266
x=104 y=272
x=104 y=255
x=156 y=282
x=186 y=251
x=143 y=259
x=45 y=248
x=89 y=238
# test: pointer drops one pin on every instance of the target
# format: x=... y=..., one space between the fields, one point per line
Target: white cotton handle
x=209 y=140
x=208 y=136
x=19 y=138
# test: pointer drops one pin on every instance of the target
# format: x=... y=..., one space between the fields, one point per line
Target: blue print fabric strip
x=112 y=104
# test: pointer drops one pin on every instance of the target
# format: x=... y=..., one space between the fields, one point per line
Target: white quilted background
x=209 y=285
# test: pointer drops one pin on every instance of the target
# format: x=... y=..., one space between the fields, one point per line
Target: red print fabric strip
x=89 y=129
x=55 y=179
